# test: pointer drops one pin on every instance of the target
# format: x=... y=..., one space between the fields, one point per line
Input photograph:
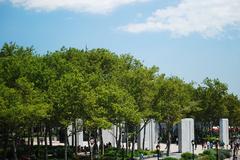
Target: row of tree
x=102 y=89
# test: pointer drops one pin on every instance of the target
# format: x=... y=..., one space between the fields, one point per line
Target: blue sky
x=189 y=38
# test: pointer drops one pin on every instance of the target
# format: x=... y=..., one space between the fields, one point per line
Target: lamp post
x=193 y=143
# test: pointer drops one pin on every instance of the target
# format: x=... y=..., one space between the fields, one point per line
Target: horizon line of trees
x=102 y=89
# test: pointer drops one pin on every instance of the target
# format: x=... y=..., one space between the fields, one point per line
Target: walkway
x=174 y=151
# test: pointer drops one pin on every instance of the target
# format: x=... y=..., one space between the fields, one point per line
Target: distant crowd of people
x=211 y=144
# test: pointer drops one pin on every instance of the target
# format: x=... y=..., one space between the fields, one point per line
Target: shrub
x=210 y=138
x=169 y=158
x=187 y=156
x=223 y=154
x=137 y=153
x=209 y=152
x=204 y=157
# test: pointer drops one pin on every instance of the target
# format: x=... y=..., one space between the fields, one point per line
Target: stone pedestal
x=224 y=131
x=186 y=135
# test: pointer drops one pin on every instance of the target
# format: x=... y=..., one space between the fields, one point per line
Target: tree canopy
x=102 y=89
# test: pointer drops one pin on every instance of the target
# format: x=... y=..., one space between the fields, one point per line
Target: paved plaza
x=174 y=151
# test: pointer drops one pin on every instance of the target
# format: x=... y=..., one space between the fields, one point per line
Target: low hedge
x=169 y=158
x=212 y=154
x=187 y=156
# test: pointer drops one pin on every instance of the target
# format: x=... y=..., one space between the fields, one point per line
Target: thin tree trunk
x=50 y=135
x=73 y=125
x=5 y=145
x=133 y=145
x=126 y=132
x=119 y=137
x=38 y=142
x=90 y=146
x=169 y=139
x=209 y=128
x=29 y=137
x=45 y=140
x=116 y=135
x=101 y=142
x=14 y=147
x=95 y=146
x=159 y=133
x=66 y=145
x=31 y=140
x=144 y=136
x=76 y=138
x=38 y=139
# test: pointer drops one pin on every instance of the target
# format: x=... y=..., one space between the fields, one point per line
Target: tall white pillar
x=109 y=136
x=151 y=136
x=224 y=131
x=186 y=135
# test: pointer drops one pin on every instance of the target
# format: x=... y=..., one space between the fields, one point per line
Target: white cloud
x=206 y=17
x=92 y=6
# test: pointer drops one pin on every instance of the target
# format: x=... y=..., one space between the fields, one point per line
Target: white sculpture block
x=109 y=136
x=186 y=135
x=224 y=131
x=151 y=136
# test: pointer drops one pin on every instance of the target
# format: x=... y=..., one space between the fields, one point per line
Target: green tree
x=233 y=106
x=212 y=103
x=174 y=103
x=70 y=96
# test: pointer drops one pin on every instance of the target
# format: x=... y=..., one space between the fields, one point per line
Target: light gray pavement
x=174 y=151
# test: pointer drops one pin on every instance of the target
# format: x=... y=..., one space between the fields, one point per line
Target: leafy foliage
x=102 y=89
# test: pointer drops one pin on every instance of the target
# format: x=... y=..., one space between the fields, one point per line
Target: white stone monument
x=109 y=136
x=151 y=136
x=224 y=131
x=186 y=135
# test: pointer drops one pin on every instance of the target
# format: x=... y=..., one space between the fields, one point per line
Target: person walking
x=158 y=147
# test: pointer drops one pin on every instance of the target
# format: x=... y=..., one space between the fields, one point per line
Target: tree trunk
x=73 y=125
x=90 y=146
x=126 y=134
x=95 y=146
x=38 y=139
x=133 y=145
x=38 y=142
x=144 y=136
x=169 y=139
x=50 y=135
x=29 y=137
x=45 y=140
x=14 y=148
x=116 y=135
x=119 y=137
x=66 y=145
x=6 y=137
x=76 y=138
x=31 y=140
x=159 y=133
x=101 y=142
